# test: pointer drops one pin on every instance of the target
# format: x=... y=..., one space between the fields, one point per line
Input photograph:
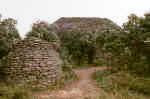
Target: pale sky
x=28 y=11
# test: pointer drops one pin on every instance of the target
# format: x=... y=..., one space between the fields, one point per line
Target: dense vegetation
x=78 y=46
x=129 y=77
x=127 y=51
x=8 y=37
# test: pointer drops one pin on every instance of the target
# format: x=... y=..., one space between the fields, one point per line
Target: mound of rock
x=86 y=24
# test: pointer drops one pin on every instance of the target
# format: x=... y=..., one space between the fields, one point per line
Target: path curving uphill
x=85 y=88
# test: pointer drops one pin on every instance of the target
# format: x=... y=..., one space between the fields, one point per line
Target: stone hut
x=34 y=61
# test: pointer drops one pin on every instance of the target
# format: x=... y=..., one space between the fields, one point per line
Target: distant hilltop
x=86 y=24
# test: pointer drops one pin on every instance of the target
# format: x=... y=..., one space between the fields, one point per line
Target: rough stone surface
x=34 y=61
x=93 y=25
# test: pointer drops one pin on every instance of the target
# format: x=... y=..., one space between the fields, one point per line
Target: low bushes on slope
x=123 y=85
x=14 y=92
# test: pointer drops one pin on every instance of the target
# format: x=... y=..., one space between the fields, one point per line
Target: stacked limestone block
x=34 y=60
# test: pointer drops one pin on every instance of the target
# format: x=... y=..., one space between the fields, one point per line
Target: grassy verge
x=68 y=77
x=14 y=92
x=26 y=91
x=122 y=85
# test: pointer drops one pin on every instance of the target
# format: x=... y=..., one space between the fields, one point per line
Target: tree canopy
x=8 y=35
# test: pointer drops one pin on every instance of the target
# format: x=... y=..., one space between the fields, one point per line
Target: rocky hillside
x=86 y=24
x=87 y=30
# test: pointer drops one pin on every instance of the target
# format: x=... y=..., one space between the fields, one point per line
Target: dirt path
x=85 y=88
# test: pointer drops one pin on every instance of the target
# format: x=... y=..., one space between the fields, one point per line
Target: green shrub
x=112 y=82
x=3 y=65
x=66 y=68
x=99 y=62
x=14 y=92
x=140 y=85
x=124 y=95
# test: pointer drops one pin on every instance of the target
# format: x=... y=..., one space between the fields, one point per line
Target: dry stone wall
x=34 y=61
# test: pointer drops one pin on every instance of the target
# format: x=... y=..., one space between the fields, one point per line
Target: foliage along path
x=84 y=88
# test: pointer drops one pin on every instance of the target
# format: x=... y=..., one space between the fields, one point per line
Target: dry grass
x=14 y=92
x=122 y=86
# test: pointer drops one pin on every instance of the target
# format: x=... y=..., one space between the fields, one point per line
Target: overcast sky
x=28 y=11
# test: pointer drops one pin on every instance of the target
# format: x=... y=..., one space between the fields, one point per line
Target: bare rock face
x=34 y=61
